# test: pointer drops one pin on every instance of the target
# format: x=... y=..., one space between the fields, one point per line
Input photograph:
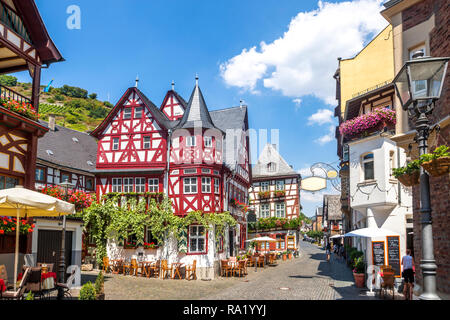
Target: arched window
x=368 y=166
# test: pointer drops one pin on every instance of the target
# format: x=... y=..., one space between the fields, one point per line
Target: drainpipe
x=399 y=189
x=166 y=178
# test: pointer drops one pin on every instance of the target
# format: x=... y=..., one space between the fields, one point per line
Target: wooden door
x=49 y=246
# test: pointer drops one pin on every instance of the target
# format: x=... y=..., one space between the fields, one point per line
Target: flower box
x=264 y=194
x=24 y=109
x=368 y=123
x=280 y=193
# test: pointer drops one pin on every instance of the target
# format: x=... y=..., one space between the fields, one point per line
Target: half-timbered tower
x=178 y=149
x=275 y=192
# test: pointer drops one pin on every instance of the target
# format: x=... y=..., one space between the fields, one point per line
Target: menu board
x=291 y=242
x=393 y=247
x=378 y=253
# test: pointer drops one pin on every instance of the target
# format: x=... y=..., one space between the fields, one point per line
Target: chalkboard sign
x=378 y=253
x=393 y=247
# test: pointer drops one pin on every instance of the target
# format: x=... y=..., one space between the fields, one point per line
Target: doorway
x=49 y=246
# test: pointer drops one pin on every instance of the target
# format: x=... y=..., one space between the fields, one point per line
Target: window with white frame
x=368 y=167
x=115 y=143
x=190 y=185
x=140 y=184
x=116 y=184
x=208 y=142
x=128 y=185
x=190 y=141
x=197 y=239
x=265 y=186
x=206 y=184
x=280 y=185
x=127 y=113
x=153 y=185
x=280 y=210
x=216 y=185
x=264 y=211
x=146 y=142
x=138 y=112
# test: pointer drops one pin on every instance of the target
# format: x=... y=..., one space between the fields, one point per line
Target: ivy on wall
x=109 y=221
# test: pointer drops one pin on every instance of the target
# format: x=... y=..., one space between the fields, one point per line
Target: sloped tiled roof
x=271 y=155
x=69 y=148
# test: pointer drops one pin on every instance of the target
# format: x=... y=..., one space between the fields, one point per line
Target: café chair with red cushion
x=18 y=294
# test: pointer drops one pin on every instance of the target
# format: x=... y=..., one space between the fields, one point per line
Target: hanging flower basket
x=409 y=180
x=368 y=123
x=437 y=167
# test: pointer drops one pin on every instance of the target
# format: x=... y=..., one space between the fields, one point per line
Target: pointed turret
x=196 y=113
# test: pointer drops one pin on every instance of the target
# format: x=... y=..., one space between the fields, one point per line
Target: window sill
x=195 y=253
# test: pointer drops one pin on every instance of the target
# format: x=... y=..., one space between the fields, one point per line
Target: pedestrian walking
x=328 y=251
x=408 y=274
x=341 y=251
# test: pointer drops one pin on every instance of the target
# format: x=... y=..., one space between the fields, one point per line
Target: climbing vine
x=107 y=220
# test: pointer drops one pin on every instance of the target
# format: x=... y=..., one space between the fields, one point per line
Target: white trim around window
x=190 y=185
x=153 y=185
x=140 y=185
x=206 y=184
x=197 y=239
x=116 y=184
x=128 y=185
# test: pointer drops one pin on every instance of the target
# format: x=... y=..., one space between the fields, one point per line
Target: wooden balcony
x=9 y=94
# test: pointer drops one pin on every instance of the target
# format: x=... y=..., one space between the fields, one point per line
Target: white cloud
x=330 y=136
x=322 y=116
x=303 y=60
x=297 y=102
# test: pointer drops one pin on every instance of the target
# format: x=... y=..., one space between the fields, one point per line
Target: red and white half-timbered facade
x=178 y=149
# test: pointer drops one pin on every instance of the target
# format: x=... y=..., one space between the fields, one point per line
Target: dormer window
x=271 y=167
x=368 y=167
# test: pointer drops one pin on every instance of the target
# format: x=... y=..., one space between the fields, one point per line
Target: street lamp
x=62 y=264
x=418 y=85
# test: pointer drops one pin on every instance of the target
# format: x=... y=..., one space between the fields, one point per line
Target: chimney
x=51 y=121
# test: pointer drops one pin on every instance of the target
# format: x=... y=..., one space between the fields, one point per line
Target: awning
x=262 y=239
x=371 y=233
x=337 y=236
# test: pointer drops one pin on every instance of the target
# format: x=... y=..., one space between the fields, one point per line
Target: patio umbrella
x=371 y=233
x=262 y=239
x=25 y=203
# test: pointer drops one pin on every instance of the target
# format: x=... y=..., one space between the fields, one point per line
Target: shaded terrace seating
x=18 y=294
x=225 y=268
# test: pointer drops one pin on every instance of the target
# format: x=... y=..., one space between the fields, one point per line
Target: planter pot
x=290 y=256
x=359 y=279
x=437 y=167
x=410 y=180
x=284 y=257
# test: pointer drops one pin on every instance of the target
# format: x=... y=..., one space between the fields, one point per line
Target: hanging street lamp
x=62 y=256
x=418 y=85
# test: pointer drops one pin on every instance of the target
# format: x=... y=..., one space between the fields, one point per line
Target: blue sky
x=286 y=81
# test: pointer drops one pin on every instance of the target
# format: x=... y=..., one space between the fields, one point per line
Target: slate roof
x=68 y=152
x=197 y=113
x=268 y=155
x=332 y=207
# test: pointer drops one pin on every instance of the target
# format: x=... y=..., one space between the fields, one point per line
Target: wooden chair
x=117 y=267
x=155 y=268
x=134 y=266
x=165 y=269
x=145 y=269
x=191 y=271
x=388 y=283
x=251 y=261
x=106 y=265
x=18 y=294
x=126 y=267
x=225 y=268
x=240 y=269
x=260 y=261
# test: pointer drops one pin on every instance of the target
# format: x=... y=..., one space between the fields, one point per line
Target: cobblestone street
x=308 y=277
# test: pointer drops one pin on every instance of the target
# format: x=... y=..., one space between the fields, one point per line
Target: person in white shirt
x=408 y=274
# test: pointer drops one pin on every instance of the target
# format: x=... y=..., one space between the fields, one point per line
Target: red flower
x=2 y=231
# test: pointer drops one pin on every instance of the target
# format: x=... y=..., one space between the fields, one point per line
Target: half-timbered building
x=24 y=46
x=179 y=150
x=275 y=192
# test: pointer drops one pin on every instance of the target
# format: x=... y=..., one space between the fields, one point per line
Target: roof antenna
x=137 y=81
x=173 y=85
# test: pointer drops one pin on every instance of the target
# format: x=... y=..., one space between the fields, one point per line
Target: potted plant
x=436 y=163
x=290 y=255
x=264 y=194
x=279 y=193
x=87 y=292
x=284 y=255
x=408 y=175
x=359 y=272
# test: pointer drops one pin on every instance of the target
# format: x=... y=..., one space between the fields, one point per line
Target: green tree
x=93 y=96
x=7 y=80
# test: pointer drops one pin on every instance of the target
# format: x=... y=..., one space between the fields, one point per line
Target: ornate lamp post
x=62 y=263
x=418 y=86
